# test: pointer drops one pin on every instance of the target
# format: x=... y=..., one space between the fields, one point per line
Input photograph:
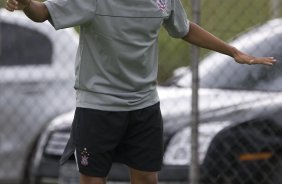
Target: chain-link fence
x=240 y=133
x=234 y=124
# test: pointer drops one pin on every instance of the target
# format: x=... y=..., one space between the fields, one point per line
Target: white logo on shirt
x=162 y=5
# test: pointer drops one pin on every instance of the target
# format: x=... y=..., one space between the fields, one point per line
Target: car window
x=221 y=72
x=20 y=46
x=248 y=77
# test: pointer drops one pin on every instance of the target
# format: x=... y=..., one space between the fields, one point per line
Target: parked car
x=36 y=85
x=240 y=130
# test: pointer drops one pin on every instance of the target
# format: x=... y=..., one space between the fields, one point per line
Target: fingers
x=251 y=60
x=264 y=60
x=12 y=5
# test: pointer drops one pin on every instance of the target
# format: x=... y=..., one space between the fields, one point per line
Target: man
x=118 y=116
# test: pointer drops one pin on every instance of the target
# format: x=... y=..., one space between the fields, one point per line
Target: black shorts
x=100 y=138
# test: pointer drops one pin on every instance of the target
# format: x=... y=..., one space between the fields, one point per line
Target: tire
x=276 y=176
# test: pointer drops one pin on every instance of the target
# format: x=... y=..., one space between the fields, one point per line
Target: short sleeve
x=70 y=13
x=177 y=24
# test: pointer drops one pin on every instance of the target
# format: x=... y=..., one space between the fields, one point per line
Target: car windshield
x=31 y=53
x=24 y=43
x=221 y=72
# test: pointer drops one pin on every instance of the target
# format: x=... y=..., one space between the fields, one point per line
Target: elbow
x=38 y=17
x=37 y=12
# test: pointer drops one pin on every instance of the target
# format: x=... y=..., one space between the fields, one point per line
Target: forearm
x=202 y=38
x=37 y=11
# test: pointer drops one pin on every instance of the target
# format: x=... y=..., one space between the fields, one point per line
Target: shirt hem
x=116 y=108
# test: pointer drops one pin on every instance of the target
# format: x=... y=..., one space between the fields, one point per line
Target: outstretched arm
x=35 y=10
x=202 y=38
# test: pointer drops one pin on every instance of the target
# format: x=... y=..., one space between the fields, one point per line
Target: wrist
x=234 y=52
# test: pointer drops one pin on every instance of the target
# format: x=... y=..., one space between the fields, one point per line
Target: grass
x=225 y=19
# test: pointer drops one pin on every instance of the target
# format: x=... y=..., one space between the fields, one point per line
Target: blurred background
x=239 y=113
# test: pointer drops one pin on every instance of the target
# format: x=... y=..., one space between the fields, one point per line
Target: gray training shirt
x=117 y=59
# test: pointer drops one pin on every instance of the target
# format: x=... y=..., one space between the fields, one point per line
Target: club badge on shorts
x=84 y=157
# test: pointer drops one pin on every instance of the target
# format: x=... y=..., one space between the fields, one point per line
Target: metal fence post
x=195 y=55
x=0 y=36
x=275 y=8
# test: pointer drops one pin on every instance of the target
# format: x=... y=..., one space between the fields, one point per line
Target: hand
x=13 y=5
x=243 y=58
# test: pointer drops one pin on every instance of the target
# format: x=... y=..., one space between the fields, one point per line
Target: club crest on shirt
x=162 y=5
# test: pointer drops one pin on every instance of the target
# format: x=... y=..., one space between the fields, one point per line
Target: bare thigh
x=143 y=177
x=91 y=180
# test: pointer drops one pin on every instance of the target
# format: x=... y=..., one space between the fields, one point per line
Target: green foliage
x=2 y=3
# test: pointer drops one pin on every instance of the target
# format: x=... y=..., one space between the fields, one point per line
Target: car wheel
x=276 y=176
x=28 y=177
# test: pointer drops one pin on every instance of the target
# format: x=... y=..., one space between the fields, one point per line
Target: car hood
x=215 y=105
